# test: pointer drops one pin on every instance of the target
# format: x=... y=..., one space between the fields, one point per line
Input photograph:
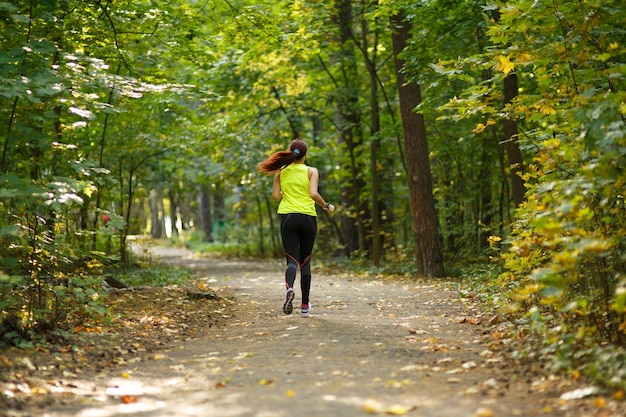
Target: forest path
x=369 y=347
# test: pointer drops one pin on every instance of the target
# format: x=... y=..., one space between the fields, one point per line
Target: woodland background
x=471 y=138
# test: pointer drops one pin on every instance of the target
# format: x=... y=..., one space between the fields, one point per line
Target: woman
x=295 y=185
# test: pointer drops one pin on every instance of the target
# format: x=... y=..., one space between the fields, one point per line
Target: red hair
x=278 y=160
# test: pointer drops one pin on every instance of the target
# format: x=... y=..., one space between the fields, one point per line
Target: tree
x=425 y=230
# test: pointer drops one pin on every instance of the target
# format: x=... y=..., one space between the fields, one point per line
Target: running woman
x=296 y=186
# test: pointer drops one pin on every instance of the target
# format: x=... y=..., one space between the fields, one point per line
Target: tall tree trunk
x=173 y=212
x=156 y=232
x=370 y=64
x=425 y=228
x=205 y=214
x=349 y=122
x=513 y=151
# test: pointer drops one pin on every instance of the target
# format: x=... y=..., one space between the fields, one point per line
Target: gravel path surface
x=369 y=347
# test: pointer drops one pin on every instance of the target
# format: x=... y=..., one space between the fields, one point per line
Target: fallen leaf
x=290 y=393
x=129 y=399
x=372 y=406
x=397 y=410
x=486 y=353
x=600 y=402
x=484 y=412
x=266 y=382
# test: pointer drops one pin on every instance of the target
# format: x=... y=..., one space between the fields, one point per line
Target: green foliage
x=155 y=275
x=33 y=307
x=566 y=259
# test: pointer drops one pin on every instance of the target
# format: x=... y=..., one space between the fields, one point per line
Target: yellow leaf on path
x=484 y=412
x=125 y=375
x=397 y=410
x=600 y=402
x=129 y=399
x=266 y=382
x=290 y=393
x=372 y=406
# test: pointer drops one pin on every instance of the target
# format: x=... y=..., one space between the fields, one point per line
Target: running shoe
x=288 y=306
x=306 y=309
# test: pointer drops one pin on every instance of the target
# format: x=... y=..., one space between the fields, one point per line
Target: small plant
x=156 y=275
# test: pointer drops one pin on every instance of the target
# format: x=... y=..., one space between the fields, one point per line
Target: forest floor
x=371 y=346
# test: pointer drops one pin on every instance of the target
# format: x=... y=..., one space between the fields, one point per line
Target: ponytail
x=278 y=160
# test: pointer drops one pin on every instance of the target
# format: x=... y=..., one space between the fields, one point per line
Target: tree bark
x=370 y=64
x=425 y=229
x=513 y=151
x=173 y=212
x=348 y=119
x=156 y=232
x=205 y=214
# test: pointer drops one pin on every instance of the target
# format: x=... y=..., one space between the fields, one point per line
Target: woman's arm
x=314 y=177
x=276 y=191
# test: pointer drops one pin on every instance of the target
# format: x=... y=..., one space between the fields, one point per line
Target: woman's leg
x=307 y=241
x=291 y=245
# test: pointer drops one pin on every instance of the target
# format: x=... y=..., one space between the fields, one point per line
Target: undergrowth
x=538 y=332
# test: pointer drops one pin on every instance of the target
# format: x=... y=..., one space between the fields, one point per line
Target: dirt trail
x=369 y=347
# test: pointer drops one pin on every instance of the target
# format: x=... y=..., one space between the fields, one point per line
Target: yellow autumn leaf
x=547 y=109
x=600 y=402
x=505 y=65
x=290 y=393
x=397 y=410
x=524 y=57
x=479 y=128
x=372 y=406
x=484 y=412
x=125 y=375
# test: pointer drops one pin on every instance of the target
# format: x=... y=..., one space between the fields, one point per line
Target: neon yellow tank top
x=294 y=183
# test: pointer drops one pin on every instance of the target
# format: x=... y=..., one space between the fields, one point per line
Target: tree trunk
x=155 y=216
x=349 y=122
x=370 y=64
x=204 y=212
x=173 y=212
x=513 y=151
x=423 y=213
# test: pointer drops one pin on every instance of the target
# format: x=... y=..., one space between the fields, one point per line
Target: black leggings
x=298 y=233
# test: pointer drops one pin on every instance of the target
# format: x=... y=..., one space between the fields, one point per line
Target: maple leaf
x=505 y=65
